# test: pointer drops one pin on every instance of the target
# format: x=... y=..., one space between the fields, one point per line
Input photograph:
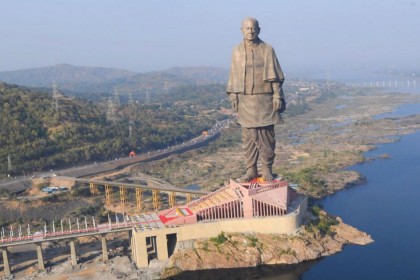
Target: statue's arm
x=233 y=98
x=279 y=103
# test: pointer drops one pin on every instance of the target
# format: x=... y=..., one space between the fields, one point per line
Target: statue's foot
x=250 y=175
x=267 y=177
x=267 y=174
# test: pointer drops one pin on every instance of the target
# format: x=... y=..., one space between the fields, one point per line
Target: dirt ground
x=332 y=135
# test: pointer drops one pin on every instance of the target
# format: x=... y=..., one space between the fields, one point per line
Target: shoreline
x=311 y=242
x=327 y=150
x=390 y=133
x=306 y=154
x=331 y=151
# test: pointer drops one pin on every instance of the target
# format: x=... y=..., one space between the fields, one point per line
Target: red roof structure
x=236 y=200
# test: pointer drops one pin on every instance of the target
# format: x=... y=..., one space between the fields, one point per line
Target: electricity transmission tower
x=130 y=100
x=147 y=97
x=166 y=88
x=111 y=113
x=55 y=97
x=116 y=98
x=132 y=134
x=9 y=165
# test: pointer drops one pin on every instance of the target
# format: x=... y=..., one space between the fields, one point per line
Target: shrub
x=81 y=191
x=253 y=240
x=5 y=193
x=220 y=239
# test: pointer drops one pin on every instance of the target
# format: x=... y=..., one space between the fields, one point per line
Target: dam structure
x=254 y=207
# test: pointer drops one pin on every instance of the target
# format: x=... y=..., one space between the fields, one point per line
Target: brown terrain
x=323 y=141
x=232 y=250
x=332 y=135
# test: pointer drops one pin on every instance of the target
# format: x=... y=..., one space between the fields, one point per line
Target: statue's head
x=250 y=29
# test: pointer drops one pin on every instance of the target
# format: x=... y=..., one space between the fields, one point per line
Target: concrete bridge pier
x=145 y=247
x=140 y=249
x=6 y=263
x=162 y=247
x=104 y=249
x=73 y=253
x=41 y=264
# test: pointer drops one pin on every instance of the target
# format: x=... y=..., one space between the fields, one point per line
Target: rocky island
x=322 y=236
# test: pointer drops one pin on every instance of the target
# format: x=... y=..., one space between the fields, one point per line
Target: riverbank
x=384 y=207
x=334 y=135
x=322 y=142
x=322 y=236
x=312 y=149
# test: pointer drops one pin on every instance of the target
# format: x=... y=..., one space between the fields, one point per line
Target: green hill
x=95 y=83
x=36 y=135
x=63 y=74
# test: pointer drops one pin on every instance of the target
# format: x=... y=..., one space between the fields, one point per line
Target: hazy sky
x=147 y=35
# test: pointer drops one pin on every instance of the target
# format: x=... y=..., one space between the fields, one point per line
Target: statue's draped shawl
x=272 y=69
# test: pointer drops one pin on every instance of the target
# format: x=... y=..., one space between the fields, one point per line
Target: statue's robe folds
x=255 y=109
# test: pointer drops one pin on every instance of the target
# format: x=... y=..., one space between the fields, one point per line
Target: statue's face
x=250 y=30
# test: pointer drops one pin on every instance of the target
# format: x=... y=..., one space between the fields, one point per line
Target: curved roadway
x=21 y=183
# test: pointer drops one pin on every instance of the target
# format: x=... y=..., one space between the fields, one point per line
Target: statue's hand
x=279 y=104
x=283 y=105
x=276 y=104
x=234 y=104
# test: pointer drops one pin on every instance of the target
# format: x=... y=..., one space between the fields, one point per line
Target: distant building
x=264 y=207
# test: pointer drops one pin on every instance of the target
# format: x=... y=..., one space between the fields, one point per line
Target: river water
x=368 y=78
x=387 y=207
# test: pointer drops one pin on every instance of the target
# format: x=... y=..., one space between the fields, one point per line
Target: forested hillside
x=95 y=82
x=65 y=75
x=36 y=135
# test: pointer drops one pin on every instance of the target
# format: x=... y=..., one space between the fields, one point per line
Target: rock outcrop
x=234 y=250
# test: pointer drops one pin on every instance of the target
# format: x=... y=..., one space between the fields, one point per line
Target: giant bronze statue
x=255 y=92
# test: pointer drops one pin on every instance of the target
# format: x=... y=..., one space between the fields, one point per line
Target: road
x=19 y=184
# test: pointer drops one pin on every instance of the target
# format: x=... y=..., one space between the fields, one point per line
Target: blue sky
x=148 y=35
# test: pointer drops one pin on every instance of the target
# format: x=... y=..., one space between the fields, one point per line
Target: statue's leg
x=250 y=148
x=267 y=143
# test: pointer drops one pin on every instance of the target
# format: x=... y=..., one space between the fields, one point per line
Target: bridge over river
x=146 y=184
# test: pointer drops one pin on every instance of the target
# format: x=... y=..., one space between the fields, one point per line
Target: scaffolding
x=123 y=195
x=156 y=199
x=108 y=195
x=189 y=197
x=94 y=190
x=139 y=199
x=172 y=199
